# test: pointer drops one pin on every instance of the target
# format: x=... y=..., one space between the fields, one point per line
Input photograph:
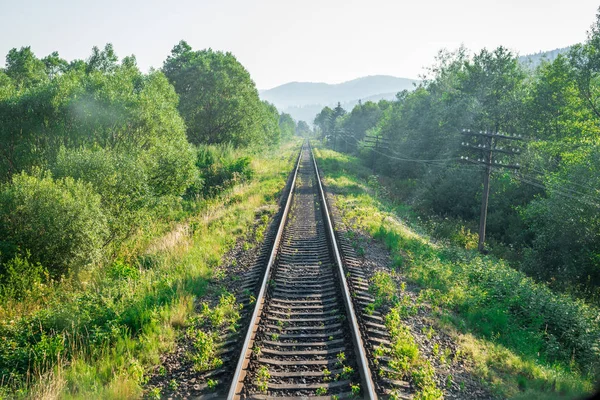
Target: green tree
x=104 y=60
x=302 y=129
x=54 y=64
x=123 y=110
x=323 y=121
x=271 y=131
x=287 y=126
x=24 y=68
x=218 y=99
x=362 y=118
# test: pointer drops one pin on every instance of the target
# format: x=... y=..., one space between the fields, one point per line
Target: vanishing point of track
x=303 y=338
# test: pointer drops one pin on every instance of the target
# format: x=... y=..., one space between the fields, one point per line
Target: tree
x=271 y=132
x=54 y=64
x=362 y=118
x=323 y=121
x=217 y=98
x=287 y=125
x=102 y=60
x=122 y=110
x=302 y=129
x=493 y=81
x=24 y=68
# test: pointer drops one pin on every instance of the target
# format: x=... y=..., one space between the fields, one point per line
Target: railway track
x=303 y=338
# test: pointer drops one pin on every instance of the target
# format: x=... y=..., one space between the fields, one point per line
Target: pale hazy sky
x=280 y=41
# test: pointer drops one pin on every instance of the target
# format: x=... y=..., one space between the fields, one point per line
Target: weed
x=341 y=357
x=203 y=356
x=326 y=375
x=262 y=379
x=347 y=372
x=322 y=391
x=154 y=394
x=212 y=384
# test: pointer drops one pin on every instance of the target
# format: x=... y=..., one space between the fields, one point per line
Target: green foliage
x=544 y=218
x=262 y=379
x=526 y=328
x=321 y=391
x=24 y=68
x=96 y=169
x=383 y=288
x=204 y=356
x=119 y=178
x=218 y=100
x=271 y=130
x=287 y=126
x=59 y=221
x=22 y=278
x=122 y=110
x=302 y=129
x=220 y=167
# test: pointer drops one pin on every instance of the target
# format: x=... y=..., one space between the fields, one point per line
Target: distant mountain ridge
x=303 y=100
x=534 y=60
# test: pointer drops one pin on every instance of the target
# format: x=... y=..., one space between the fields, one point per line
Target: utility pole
x=335 y=135
x=489 y=147
x=373 y=142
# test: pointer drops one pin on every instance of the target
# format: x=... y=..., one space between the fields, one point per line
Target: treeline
x=90 y=149
x=545 y=216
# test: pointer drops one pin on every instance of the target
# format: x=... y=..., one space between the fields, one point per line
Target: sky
x=281 y=41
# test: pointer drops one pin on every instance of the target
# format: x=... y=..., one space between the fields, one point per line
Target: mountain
x=304 y=100
x=533 y=60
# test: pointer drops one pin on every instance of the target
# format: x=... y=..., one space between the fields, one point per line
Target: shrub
x=59 y=221
x=120 y=179
x=219 y=168
x=21 y=277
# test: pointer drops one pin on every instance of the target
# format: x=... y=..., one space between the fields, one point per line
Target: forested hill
x=533 y=60
x=303 y=100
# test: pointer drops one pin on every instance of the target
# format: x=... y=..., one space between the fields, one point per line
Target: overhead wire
x=527 y=179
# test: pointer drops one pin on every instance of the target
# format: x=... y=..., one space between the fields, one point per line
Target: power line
x=404 y=157
x=553 y=190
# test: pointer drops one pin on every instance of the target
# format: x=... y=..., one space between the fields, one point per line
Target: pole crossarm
x=494 y=164
x=492 y=134
x=512 y=150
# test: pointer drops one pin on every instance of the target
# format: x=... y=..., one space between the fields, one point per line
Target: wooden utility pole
x=489 y=147
x=373 y=142
x=373 y=153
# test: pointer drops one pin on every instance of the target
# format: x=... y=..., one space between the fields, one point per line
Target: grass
x=525 y=340
x=98 y=336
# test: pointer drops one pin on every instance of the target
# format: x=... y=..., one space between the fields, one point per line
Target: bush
x=59 y=221
x=219 y=168
x=21 y=277
x=120 y=179
x=170 y=168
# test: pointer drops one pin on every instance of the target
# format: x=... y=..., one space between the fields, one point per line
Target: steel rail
x=239 y=375
x=363 y=364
